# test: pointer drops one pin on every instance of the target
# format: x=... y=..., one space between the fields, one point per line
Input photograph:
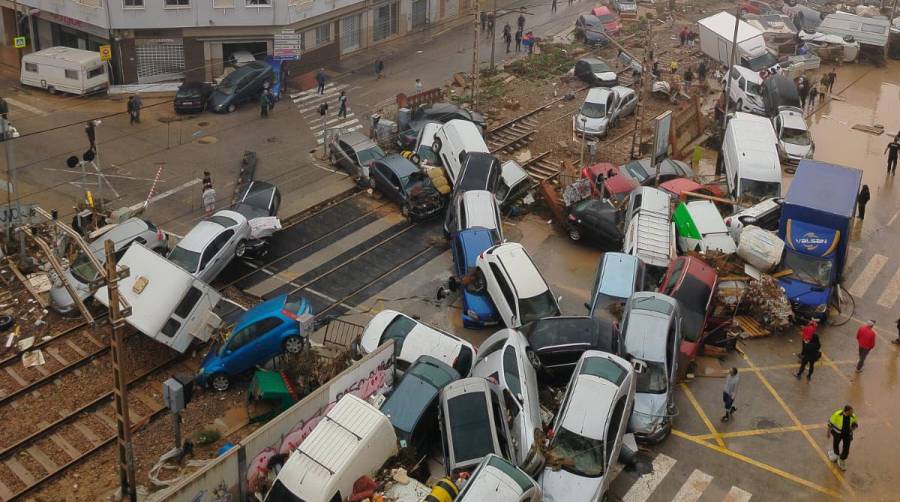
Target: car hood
x=794 y=150
x=801 y=292
x=219 y=98
x=649 y=411
x=211 y=355
x=605 y=76
x=562 y=486
x=590 y=124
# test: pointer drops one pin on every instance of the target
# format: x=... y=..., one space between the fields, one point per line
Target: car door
x=502 y=294
x=395 y=188
x=380 y=174
x=344 y=156
x=238 y=355
x=214 y=257
x=615 y=429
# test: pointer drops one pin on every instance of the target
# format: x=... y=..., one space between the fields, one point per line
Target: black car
x=240 y=86
x=258 y=199
x=589 y=29
x=779 y=91
x=595 y=72
x=597 y=221
x=191 y=97
x=480 y=171
x=402 y=182
x=558 y=342
x=437 y=112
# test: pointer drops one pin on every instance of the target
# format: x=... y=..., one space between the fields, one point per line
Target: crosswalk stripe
x=306 y=100
x=318 y=123
x=316 y=101
x=889 y=295
x=852 y=254
x=347 y=130
x=737 y=495
x=865 y=278
x=693 y=488
x=646 y=484
x=348 y=123
x=310 y=92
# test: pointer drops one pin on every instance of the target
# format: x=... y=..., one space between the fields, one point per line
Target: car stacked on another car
x=354 y=152
x=478 y=309
x=497 y=479
x=558 y=342
x=437 y=112
x=211 y=245
x=243 y=85
x=514 y=283
x=402 y=182
x=643 y=173
x=597 y=221
x=618 y=276
x=693 y=283
x=473 y=424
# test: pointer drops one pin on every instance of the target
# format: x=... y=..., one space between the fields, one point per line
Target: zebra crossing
x=307 y=103
x=868 y=276
x=627 y=488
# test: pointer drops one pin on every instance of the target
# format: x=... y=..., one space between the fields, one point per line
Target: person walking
x=207 y=180
x=342 y=103
x=682 y=36
x=840 y=426
x=897 y=340
x=490 y=25
x=832 y=76
x=729 y=393
x=90 y=129
x=419 y=86
x=806 y=334
x=482 y=16
x=507 y=36
x=518 y=40
x=811 y=352
x=130 y=108
x=208 y=197
x=137 y=108
x=264 y=105
x=4 y=108
x=320 y=81
x=521 y=22
x=823 y=82
x=865 y=338
x=892 y=149
x=701 y=73
x=688 y=79
x=813 y=94
x=553 y=7
x=861 y=200
x=803 y=90
x=379 y=68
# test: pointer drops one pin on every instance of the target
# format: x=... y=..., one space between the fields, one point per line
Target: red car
x=610 y=21
x=693 y=283
x=756 y=7
x=615 y=186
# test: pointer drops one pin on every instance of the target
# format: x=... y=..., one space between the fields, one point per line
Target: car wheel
x=436 y=145
x=220 y=382
x=574 y=234
x=51 y=89
x=241 y=249
x=405 y=211
x=293 y=345
x=6 y=322
x=740 y=105
x=231 y=108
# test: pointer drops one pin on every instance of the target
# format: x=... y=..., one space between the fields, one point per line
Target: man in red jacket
x=865 y=337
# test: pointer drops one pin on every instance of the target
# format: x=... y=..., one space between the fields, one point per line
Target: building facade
x=156 y=40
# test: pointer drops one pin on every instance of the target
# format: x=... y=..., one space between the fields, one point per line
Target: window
x=504 y=288
x=323 y=34
x=178 y=4
x=223 y=4
x=132 y=4
x=187 y=303
x=511 y=370
x=72 y=74
x=387 y=20
x=259 y=3
x=96 y=72
x=32 y=67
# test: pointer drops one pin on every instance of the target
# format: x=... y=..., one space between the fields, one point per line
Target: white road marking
x=349 y=129
x=105 y=175
x=852 y=254
x=737 y=495
x=299 y=96
x=693 y=488
x=890 y=221
x=316 y=124
x=865 y=278
x=163 y=195
x=26 y=107
x=348 y=123
x=891 y=292
x=646 y=484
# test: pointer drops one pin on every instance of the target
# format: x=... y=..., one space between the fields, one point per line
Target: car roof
x=591 y=20
x=706 y=217
x=121 y=234
x=613 y=279
x=528 y=280
x=793 y=119
x=601 y=10
x=205 y=231
x=474 y=241
x=699 y=269
x=496 y=479
x=597 y=95
x=357 y=140
x=399 y=165
x=584 y=414
x=678 y=186
x=261 y=310
x=748 y=74
x=480 y=205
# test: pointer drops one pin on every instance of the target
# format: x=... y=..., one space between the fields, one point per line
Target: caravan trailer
x=65 y=69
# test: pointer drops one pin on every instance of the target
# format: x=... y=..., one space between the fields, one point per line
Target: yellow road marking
x=787 y=366
x=699 y=410
x=787 y=409
x=766 y=467
x=759 y=432
x=840 y=373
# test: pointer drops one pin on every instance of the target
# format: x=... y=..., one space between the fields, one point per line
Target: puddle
x=208 y=140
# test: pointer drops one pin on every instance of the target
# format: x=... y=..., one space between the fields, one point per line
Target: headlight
x=471 y=313
x=821 y=308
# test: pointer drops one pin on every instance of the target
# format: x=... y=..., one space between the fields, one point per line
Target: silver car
x=506 y=360
x=83 y=276
x=211 y=245
x=602 y=110
x=472 y=424
x=651 y=325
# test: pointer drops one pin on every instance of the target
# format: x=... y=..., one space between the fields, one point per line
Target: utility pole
x=16 y=19
x=476 y=33
x=731 y=57
x=494 y=33
x=123 y=421
x=636 y=135
x=11 y=183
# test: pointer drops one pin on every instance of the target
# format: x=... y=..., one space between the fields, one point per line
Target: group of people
x=809 y=91
x=521 y=37
x=687 y=37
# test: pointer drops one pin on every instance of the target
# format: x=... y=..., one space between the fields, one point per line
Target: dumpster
x=270 y=393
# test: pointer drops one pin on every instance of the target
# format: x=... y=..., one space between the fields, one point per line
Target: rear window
x=397 y=329
x=280 y=493
x=604 y=368
x=432 y=374
x=188 y=302
x=470 y=426
x=553 y=332
x=518 y=476
x=222 y=220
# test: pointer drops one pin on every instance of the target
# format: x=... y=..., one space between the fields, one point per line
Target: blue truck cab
x=478 y=309
x=815 y=226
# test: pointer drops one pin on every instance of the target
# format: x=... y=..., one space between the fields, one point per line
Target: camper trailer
x=64 y=69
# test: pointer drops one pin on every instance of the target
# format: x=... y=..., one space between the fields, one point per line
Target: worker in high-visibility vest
x=840 y=427
x=444 y=490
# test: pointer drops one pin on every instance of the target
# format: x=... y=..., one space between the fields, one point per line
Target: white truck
x=716 y=34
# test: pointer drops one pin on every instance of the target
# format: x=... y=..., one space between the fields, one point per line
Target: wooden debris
x=876 y=129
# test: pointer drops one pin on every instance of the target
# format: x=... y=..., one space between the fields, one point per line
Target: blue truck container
x=815 y=225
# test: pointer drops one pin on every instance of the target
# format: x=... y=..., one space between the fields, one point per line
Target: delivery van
x=749 y=158
x=64 y=69
x=453 y=141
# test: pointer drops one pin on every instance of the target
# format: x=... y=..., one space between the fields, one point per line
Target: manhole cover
x=273 y=139
x=202 y=124
x=208 y=140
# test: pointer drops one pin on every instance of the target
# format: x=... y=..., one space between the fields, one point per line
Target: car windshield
x=560 y=331
x=593 y=110
x=694 y=296
x=538 y=307
x=188 y=260
x=607 y=18
x=397 y=329
x=427 y=155
x=636 y=171
x=222 y=220
x=754 y=88
x=809 y=269
x=653 y=380
x=188 y=92
x=580 y=455
x=83 y=269
x=760 y=189
x=470 y=426
x=369 y=154
x=431 y=373
x=797 y=137
x=227 y=86
x=599 y=67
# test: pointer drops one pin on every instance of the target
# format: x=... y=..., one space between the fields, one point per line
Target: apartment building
x=156 y=40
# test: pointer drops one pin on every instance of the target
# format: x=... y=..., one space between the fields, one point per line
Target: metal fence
x=339 y=333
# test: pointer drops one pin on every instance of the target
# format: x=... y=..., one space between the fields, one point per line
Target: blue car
x=478 y=309
x=263 y=332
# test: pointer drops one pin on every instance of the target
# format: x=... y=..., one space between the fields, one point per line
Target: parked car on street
x=402 y=182
x=595 y=72
x=558 y=342
x=644 y=174
x=603 y=109
x=354 y=152
x=266 y=330
x=651 y=326
x=244 y=84
x=497 y=479
x=473 y=424
x=586 y=436
x=211 y=245
x=413 y=339
x=478 y=309
x=191 y=97
x=506 y=360
x=437 y=112
x=412 y=406
x=618 y=276
x=515 y=285
x=609 y=20
x=589 y=29
x=693 y=283
x=596 y=221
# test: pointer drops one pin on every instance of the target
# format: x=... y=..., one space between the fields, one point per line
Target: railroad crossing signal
x=105 y=52
x=19 y=42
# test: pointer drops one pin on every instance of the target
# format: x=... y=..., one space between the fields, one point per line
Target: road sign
x=19 y=42
x=287 y=46
x=25 y=214
x=105 y=52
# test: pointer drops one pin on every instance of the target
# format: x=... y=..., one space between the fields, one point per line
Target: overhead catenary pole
x=636 y=135
x=731 y=58
x=11 y=183
x=16 y=20
x=477 y=33
x=493 y=33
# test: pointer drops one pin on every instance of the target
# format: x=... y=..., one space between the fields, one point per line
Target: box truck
x=716 y=34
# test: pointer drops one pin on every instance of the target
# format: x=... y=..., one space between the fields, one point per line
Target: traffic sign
x=287 y=46
x=105 y=52
x=19 y=42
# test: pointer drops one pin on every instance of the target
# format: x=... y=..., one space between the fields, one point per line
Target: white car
x=506 y=360
x=602 y=110
x=211 y=245
x=498 y=480
x=701 y=228
x=745 y=89
x=515 y=285
x=413 y=339
x=794 y=140
x=424 y=143
x=588 y=429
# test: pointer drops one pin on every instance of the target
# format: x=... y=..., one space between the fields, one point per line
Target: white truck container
x=65 y=69
x=716 y=34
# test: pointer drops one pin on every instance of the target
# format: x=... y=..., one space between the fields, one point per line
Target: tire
x=6 y=322
x=739 y=106
x=231 y=108
x=241 y=249
x=51 y=89
x=574 y=234
x=404 y=210
x=220 y=382
x=436 y=145
x=293 y=345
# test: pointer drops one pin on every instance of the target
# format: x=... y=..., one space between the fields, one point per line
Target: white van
x=649 y=234
x=453 y=141
x=700 y=227
x=744 y=89
x=65 y=69
x=750 y=157
x=354 y=439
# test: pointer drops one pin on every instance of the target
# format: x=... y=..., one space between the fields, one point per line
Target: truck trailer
x=716 y=34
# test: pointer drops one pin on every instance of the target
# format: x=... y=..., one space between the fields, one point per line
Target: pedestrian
x=861 y=200
x=130 y=107
x=897 y=341
x=91 y=130
x=209 y=200
x=320 y=81
x=809 y=354
x=892 y=149
x=655 y=71
x=419 y=86
x=803 y=91
x=806 y=334
x=137 y=108
x=701 y=72
x=483 y=17
x=691 y=37
x=518 y=40
x=840 y=427
x=813 y=94
x=688 y=79
x=673 y=67
x=490 y=26
x=342 y=102
x=4 y=108
x=507 y=36
x=865 y=337
x=832 y=76
x=823 y=82
x=379 y=67
x=207 y=180
x=729 y=393
x=553 y=7
x=521 y=22
x=682 y=36
x=264 y=105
